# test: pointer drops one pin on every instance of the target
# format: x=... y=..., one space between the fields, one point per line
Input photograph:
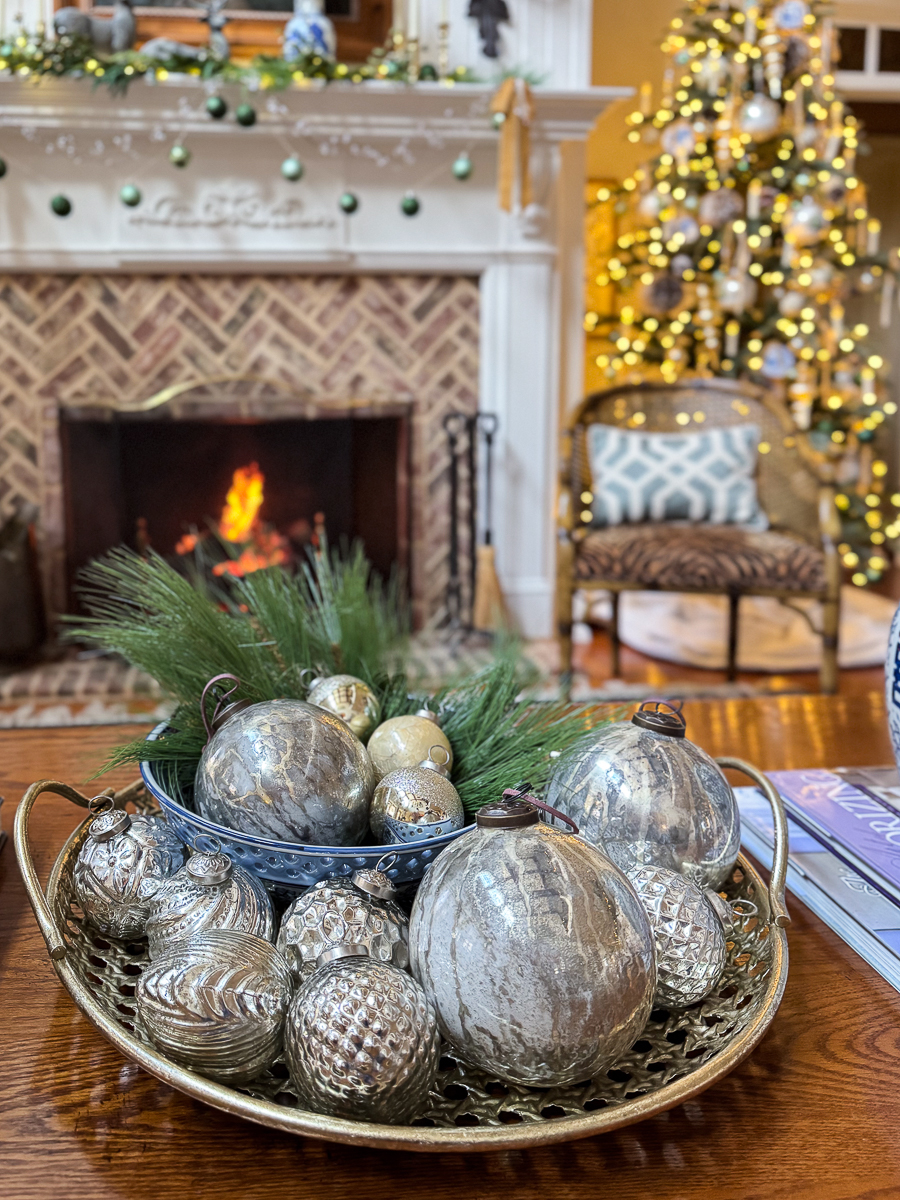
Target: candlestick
x=443 y=49
x=754 y=199
x=412 y=20
x=398 y=20
x=873 y=231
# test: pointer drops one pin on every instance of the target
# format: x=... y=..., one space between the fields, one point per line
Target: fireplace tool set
x=474 y=599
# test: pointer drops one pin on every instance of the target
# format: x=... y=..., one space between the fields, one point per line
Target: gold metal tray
x=677 y=1056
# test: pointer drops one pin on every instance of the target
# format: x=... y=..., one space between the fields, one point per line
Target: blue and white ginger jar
x=892 y=684
x=309 y=31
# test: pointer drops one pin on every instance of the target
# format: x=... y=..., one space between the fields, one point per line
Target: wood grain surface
x=813 y=1113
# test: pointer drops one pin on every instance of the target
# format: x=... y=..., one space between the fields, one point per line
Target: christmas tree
x=741 y=243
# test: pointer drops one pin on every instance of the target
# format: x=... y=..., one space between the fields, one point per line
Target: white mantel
x=230 y=210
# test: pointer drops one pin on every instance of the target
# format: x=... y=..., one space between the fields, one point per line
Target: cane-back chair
x=795 y=558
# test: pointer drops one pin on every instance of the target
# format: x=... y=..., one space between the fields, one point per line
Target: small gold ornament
x=348 y=698
x=416 y=803
x=405 y=742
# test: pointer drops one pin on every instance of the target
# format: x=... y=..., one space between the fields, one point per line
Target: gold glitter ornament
x=406 y=741
x=416 y=803
x=348 y=698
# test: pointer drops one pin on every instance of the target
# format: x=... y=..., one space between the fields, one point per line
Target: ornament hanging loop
x=515 y=794
x=101 y=804
x=385 y=863
x=208 y=725
x=207 y=843
x=671 y=723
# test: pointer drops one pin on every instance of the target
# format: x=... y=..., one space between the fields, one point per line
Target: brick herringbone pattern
x=74 y=340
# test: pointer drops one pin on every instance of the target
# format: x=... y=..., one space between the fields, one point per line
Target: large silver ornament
x=287 y=770
x=209 y=892
x=805 y=223
x=533 y=948
x=647 y=796
x=760 y=117
x=416 y=803
x=362 y=1040
x=348 y=698
x=687 y=933
x=216 y=1003
x=120 y=867
x=724 y=204
x=405 y=741
x=361 y=911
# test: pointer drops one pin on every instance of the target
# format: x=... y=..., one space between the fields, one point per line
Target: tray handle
x=780 y=853
x=52 y=934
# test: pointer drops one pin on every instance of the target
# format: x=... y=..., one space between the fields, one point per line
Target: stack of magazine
x=844 y=852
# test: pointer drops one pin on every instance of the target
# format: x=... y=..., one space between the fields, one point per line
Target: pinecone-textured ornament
x=406 y=741
x=287 y=770
x=209 y=892
x=360 y=911
x=688 y=935
x=122 y=864
x=416 y=803
x=362 y=1040
x=216 y=1003
x=348 y=698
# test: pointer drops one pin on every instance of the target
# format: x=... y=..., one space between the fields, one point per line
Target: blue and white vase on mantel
x=892 y=684
x=309 y=31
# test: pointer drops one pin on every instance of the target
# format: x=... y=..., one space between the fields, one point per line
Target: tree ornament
x=292 y=169
x=664 y=294
x=287 y=770
x=349 y=203
x=688 y=935
x=209 y=892
x=791 y=304
x=179 y=156
x=735 y=291
x=2 y=167
x=216 y=107
x=61 y=205
x=348 y=698
x=122 y=864
x=428 y=73
x=405 y=742
x=410 y=205
x=533 y=948
x=417 y=803
x=216 y=1003
x=462 y=167
x=362 y=1039
x=679 y=140
x=721 y=206
x=804 y=223
x=648 y=796
x=361 y=910
x=498 y=118
x=684 y=227
x=245 y=114
x=790 y=16
x=867 y=282
x=779 y=360
x=760 y=117
x=650 y=206
x=130 y=195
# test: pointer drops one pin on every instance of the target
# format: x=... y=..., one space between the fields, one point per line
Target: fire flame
x=242 y=504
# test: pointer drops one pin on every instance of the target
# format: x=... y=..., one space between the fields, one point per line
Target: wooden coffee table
x=815 y=1111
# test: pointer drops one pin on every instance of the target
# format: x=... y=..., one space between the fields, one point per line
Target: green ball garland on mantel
x=2 y=168
x=349 y=203
x=410 y=205
x=216 y=107
x=462 y=167
x=130 y=195
x=179 y=156
x=292 y=169
x=245 y=114
x=61 y=205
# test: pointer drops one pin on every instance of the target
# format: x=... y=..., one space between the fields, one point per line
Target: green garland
x=36 y=56
x=332 y=616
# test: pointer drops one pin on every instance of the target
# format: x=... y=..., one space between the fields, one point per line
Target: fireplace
x=148 y=482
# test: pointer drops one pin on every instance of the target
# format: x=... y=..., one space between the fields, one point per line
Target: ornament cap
x=431 y=763
x=209 y=868
x=374 y=883
x=507 y=814
x=344 y=950
x=108 y=820
x=228 y=712
x=428 y=714
x=670 y=724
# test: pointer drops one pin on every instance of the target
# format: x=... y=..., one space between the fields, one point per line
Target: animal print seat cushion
x=721 y=558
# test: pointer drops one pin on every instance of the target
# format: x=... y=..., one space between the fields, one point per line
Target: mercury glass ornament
x=649 y=797
x=405 y=742
x=417 y=803
x=650 y=205
x=760 y=117
x=122 y=864
x=348 y=698
x=216 y=1003
x=534 y=949
x=735 y=291
x=665 y=293
x=287 y=770
x=790 y=304
x=804 y=223
x=362 y=1040
x=679 y=139
x=209 y=892
x=688 y=935
x=362 y=911
x=725 y=204
x=686 y=226
x=779 y=360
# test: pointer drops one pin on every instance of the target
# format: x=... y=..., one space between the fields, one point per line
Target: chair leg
x=831 y=617
x=615 y=644
x=564 y=632
x=734 y=600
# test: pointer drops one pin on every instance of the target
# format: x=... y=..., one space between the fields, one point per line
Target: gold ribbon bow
x=514 y=100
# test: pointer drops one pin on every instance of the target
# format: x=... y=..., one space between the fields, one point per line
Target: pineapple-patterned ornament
x=417 y=803
x=362 y=1039
x=348 y=698
x=362 y=911
x=405 y=742
x=122 y=864
x=209 y=892
x=688 y=932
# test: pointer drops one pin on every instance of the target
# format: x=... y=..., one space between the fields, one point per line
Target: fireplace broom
x=489 y=614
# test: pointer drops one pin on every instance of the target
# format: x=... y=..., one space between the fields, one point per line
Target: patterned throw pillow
x=701 y=477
